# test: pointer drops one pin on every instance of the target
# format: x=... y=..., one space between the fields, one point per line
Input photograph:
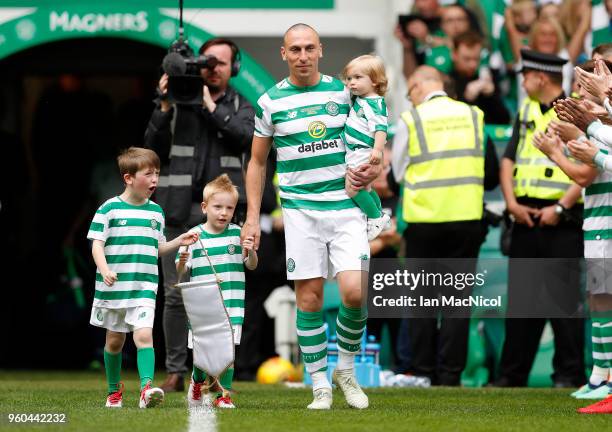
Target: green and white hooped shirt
x=225 y=253
x=597 y=225
x=306 y=124
x=131 y=236
x=367 y=116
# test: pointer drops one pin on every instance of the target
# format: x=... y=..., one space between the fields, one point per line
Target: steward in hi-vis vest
x=441 y=157
x=545 y=207
x=444 y=181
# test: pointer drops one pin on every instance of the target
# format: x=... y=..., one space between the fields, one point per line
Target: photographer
x=196 y=143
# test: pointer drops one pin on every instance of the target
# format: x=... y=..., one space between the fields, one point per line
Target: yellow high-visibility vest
x=445 y=176
x=535 y=175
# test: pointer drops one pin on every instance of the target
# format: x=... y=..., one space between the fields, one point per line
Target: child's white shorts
x=123 y=320
x=357 y=157
x=323 y=243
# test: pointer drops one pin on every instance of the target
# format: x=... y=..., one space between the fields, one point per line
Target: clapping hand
x=594 y=108
x=547 y=143
x=597 y=83
x=564 y=130
x=575 y=112
x=584 y=151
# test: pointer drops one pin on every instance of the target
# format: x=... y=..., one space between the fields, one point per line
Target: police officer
x=441 y=158
x=196 y=143
x=543 y=202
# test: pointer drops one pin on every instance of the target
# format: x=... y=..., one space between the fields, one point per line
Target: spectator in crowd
x=521 y=15
x=455 y=20
x=547 y=36
x=518 y=19
x=549 y=9
x=429 y=10
x=196 y=144
x=570 y=15
x=413 y=32
x=473 y=85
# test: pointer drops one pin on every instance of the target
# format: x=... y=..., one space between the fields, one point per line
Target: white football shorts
x=123 y=320
x=323 y=243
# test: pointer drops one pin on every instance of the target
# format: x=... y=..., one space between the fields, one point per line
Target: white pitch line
x=202 y=418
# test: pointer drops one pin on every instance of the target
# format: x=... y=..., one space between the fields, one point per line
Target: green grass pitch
x=81 y=396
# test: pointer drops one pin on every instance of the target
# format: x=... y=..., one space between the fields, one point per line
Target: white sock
x=345 y=361
x=319 y=380
x=598 y=375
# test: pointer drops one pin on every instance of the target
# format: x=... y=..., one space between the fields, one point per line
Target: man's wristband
x=599 y=159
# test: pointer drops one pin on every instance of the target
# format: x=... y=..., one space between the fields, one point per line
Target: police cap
x=537 y=61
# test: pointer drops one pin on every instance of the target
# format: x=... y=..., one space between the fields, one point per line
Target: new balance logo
x=318 y=146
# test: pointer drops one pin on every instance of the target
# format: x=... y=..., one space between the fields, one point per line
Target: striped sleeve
x=98 y=230
x=162 y=231
x=375 y=111
x=263 y=119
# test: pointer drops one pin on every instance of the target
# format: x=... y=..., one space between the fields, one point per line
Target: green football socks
x=350 y=326
x=312 y=340
x=112 y=365
x=199 y=375
x=145 y=359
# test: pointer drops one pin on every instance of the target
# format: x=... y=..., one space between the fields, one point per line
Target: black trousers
x=440 y=353
x=547 y=284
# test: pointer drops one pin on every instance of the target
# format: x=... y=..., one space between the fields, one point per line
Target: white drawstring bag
x=213 y=342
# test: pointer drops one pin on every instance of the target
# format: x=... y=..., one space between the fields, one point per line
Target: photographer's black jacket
x=203 y=146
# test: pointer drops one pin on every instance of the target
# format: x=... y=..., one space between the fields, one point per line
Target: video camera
x=183 y=68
